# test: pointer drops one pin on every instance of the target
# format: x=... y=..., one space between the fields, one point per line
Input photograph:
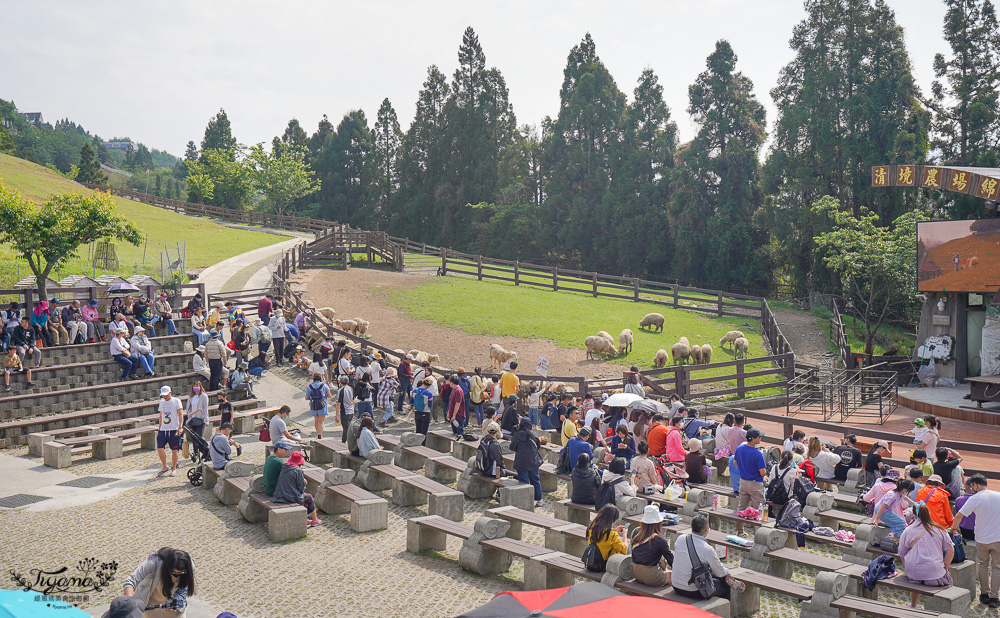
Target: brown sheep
x=652 y=321
x=599 y=345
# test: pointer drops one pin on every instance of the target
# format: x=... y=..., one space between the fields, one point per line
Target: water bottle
x=715 y=502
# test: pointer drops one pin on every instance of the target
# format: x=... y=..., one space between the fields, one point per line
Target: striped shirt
x=386 y=392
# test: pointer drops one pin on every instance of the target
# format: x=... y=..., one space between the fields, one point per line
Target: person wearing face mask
x=197 y=409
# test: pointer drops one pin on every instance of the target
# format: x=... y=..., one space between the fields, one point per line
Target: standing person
x=405 y=385
x=546 y=412
x=12 y=364
x=984 y=505
x=946 y=465
x=495 y=397
x=685 y=560
x=170 y=432
x=644 y=471
x=217 y=355
x=214 y=320
x=234 y=313
x=510 y=384
x=291 y=488
x=722 y=450
x=264 y=307
x=510 y=418
x=422 y=401
x=921 y=546
x=166 y=313
x=850 y=457
x=569 y=429
x=386 y=397
x=632 y=385
x=240 y=341
x=58 y=332
x=121 y=352
x=200 y=365
x=167 y=575
x=197 y=409
x=534 y=402
x=651 y=555
x=931 y=437
x=478 y=394
x=276 y=324
x=222 y=444
x=889 y=506
x=466 y=385
x=456 y=407
x=72 y=321
x=345 y=405
x=225 y=408
x=40 y=322
x=377 y=373
x=142 y=351
x=364 y=394
x=798 y=437
x=752 y=469
x=199 y=326
x=609 y=538
x=527 y=460
x=318 y=394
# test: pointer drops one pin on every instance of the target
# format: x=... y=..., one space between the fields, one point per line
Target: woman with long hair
x=651 y=555
x=822 y=459
x=931 y=437
x=166 y=575
x=197 y=409
x=926 y=549
x=722 y=451
x=609 y=538
x=366 y=437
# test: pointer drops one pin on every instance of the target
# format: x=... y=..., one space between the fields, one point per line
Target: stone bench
x=327 y=450
x=337 y=495
x=409 y=452
x=444 y=468
x=479 y=487
x=581 y=513
x=441 y=440
x=144 y=434
x=715 y=519
x=55 y=378
x=440 y=499
x=59 y=453
x=563 y=569
x=432 y=532
x=284 y=521
x=87 y=352
x=230 y=485
x=747 y=602
x=714 y=606
x=535 y=573
x=560 y=535
x=830 y=600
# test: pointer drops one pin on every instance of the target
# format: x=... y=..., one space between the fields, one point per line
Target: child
x=918 y=431
x=887 y=510
x=495 y=393
x=225 y=409
x=12 y=364
x=798 y=454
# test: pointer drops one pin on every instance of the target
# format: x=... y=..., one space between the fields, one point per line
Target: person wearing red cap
x=291 y=488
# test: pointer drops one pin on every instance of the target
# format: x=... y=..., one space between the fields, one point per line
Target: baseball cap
x=512 y=397
x=164 y=390
x=493 y=428
x=283 y=445
x=409 y=357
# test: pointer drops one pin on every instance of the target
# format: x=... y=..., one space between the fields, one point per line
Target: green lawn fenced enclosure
x=568 y=318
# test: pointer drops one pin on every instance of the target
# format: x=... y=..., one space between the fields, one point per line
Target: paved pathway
x=237 y=271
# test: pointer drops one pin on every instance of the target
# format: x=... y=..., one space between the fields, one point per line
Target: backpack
x=809 y=470
x=802 y=488
x=593 y=560
x=363 y=391
x=563 y=467
x=484 y=459
x=776 y=492
x=265 y=335
x=606 y=493
x=315 y=397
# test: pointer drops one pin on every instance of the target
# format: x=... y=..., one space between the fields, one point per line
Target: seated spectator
x=623 y=445
x=919 y=459
x=22 y=339
x=166 y=313
x=142 y=351
x=221 y=446
x=12 y=364
x=680 y=579
x=595 y=438
x=850 y=457
x=199 y=325
x=822 y=459
x=118 y=323
x=195 y=303
x=885 y=484
x=693 y=426
x=366 y=437
x=673 y=444
x=272 y=466
x=291 y=488
x=798 y=454
x=11 y=318
x=947 y=465
x=242 y=380
x=915 y=474
x=121 y=352
x=616 y=471
x=644 y=471
x=966 y=525
x=279 y=429
x=72 y=321
x=95 y=327
x=921 y=547
x=888 y=507
x=873 y=462
x=579 y=444
x=493 y=455
x=798 y=437
x=58 y=333
x=935 y=496
x=586 y=480
x=695 y=463
x=40 y=322
x=786 y=470
x=609 y=538
x=651 y=555
x=510 y=417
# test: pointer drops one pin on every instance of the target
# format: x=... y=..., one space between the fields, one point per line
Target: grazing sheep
x=327 y=312
x=362 y=326
x=730 y=337
x=681 y=352
x=661 y=358
x=499 y=356
x=599 y=345
x=685 y=341
x=652 y=321
x=974 y=261
x=558 y=387
x=625 y=341
x=706 y=354
x=420 y=357
x=742 y=346
x=607 y=336
x=696 y=354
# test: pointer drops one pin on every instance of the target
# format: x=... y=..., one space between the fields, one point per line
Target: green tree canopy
x=219 y=135
x=280 y=177
x=90 y=169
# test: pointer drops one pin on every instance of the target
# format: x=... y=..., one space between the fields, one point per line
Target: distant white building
x=118 y=144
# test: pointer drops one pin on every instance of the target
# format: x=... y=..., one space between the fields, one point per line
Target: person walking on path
x=345 y=405
x=318 y=395
x=142 y=351
x=264 y=307
x=217 y=355
x=170 y=431
x=405 y=375
x=456 y=407
x=121 y=352
x=276 y=323
x=291 y=488
x=984 y=504
x=527 y=461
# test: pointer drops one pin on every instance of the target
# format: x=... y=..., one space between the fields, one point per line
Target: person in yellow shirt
x=610 y=539
x=12 y=364
x=509 y=383
x=569 y=428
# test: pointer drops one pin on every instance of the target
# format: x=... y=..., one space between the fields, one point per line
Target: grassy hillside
x=207 y=242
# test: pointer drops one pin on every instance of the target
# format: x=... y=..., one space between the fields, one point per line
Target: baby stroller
x=669 y=473
x=199 y=453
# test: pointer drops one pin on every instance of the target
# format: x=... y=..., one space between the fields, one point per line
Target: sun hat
x=139 y=329
x=694 y=445
x=164 y=390
x=651 y=515
x=214 y=334
x=935 y=478
x=92 y=302
x=919 y=422
x=201 y=349
x=296 y=458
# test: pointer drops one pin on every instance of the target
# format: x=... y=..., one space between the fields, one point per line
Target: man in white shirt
x=682 y=567
x=170 y=431
x=985 y=505
x=593 y=413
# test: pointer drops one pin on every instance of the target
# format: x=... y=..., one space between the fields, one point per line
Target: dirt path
x=356 y=293
x=807 y=338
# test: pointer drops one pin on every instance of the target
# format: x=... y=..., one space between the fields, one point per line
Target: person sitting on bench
x=222 y=446
x=651 y=555
x=586 y=480
x=684 y=562
x=291 y=487
x=489 y=457
x=12 y=364
x=921 y=547
x=272 y=466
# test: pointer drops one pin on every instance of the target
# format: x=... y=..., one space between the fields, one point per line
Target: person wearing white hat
x=142 y=349
x=170 y=431
x=651 y=555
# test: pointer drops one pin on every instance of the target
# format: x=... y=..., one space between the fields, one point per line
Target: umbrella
x=122 y=289
x=622 y=400
x=651 y=405
x=22 y=604
x=589 y=599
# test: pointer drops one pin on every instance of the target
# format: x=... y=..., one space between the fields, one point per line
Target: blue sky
x=158 y=71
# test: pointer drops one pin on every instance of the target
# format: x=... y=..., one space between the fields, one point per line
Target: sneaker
x=994 y=603
x=6 y=389
x=315 y=522
x=173 y=472
x=538 y=503
x=30 y=383
x=984 y=599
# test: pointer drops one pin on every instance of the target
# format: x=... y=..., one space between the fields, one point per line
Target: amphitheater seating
x=715 y=606
x=55 y=378
x=88 y=352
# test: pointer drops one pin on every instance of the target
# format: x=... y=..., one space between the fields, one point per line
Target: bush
x=822 y=312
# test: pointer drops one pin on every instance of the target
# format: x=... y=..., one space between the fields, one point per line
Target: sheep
x=706 y=354
x=625 y=341
x=327 y=312
x=680 y=352
x=499 y=356
x=315 y=334
x=974 y=261
x=730 y=337
x=599 y=345
x=685 y=341
x=420 y=356
x=741 y=346
x=652 y=321
x=362 y=326
x=696 y=354
x=558 y=387
x=607 y=336
x=661 y=358
x=348 y=326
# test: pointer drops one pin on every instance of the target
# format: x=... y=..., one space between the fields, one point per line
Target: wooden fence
x=28 y=297
x=244 y=217
x=681 y=379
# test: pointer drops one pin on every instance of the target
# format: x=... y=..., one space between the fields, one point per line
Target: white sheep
x=625 y=341
x=599 y=345
x=661 y=358
x=362 y=326
x=696 y=354
x=706 y=354
x=974 y=261
x=348 y=326
x=685 y=341
x=499 y=356
x=420 y=356
x=327 y=312
x=607 y=336
x=652 y=321
x=681 y=352
x=741 y=346
x=730 y=337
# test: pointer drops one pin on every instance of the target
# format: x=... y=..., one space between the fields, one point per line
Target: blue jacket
x=626 y=453
x=574 y=447
x=466 y=385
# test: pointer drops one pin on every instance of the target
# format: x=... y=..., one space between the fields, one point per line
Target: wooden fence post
x=740 y=379
x=444 y=261
x=635 y=283
x=555 y=279
x=479 y=268
x=517 y=273
x=406 y=244
x=595 y=284
x=680 y=376
x=677 y=291
x=720 y=303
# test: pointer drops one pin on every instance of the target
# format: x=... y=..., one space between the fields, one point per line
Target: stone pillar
x=36 y=442
x=746 y=602
x=855 y=482
x=109 y=448
x=250 y=509
x=816 y=503
x=57 y=455
x=369 y=478
x=224 y=491
x=865 y=535
x=407 y=458
x=470 y=484
x=565 y=512
x=439 y=471
x=696 y=500
x=421 y=538
x=767 y=539
x=322 y=453
x=537 y=576
x=829 y=587
x=483 y=560
x=618 y=569
x=286 y=523
x=522 y=496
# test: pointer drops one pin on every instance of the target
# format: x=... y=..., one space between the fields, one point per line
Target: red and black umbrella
x=589 y=599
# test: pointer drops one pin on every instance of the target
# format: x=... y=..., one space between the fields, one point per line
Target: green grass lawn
x=207 y=241
x=493 y=308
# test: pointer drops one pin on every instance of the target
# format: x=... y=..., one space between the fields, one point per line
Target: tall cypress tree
x=388 y=139
x=219 y=135
x=343 y=167
x=294 y=137
x=90 y=168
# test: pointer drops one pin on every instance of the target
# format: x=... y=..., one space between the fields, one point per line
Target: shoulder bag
x=701 y=573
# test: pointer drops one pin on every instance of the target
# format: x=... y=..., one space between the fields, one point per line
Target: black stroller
x=198 y=447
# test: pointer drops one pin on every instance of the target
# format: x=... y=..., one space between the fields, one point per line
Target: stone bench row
x=105 y=371
x=86 y=352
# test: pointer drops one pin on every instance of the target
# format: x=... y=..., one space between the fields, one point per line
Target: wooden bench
x=432 y=532
x=408 y=450
x=748 y=601
x=715 y=605
x=440 y=499
x=145 y=435
x=564 y=569
x=510 y=492
x=581 y=513
x=849 y=606
x=380 y=477
x=59 y=453
x=284 y=521
x=560 y=535
x=327 y=450
x=536 y=574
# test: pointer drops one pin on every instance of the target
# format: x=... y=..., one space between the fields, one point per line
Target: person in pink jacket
x=92 y=319
x=675 y=445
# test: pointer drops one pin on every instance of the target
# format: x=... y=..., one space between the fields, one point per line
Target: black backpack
x=484 y=459
x=776 y=492
x=802 y=488
x=316 y=397
x=593 y=560
x=606 y=493
x=563 y=467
